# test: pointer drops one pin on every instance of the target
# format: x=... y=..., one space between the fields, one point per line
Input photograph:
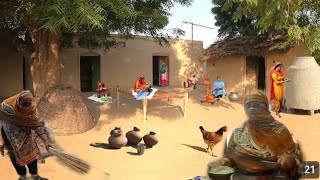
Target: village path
x=179 y=154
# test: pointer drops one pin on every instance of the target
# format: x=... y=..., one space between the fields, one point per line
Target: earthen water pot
x=117 y=139
x=150 y=139
x=209 y=97
x=112 y=131
x=134 y=136
x=234 y=96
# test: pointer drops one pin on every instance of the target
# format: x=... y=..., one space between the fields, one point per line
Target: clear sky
x=200 y=13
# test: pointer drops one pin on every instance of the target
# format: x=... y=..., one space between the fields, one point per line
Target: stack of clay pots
x=134 y=137
x=303 y=91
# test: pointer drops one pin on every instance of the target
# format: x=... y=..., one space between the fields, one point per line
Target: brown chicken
x=212 y=138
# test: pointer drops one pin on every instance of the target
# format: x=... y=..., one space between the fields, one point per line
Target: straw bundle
x=65 y=112
x=71 y=161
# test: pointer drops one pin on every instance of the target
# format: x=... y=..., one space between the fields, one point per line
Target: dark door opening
x=24 y=73
x=262 y=75
x=155 y=71
x=157 y=62
x=89 y=72
x=255 y=74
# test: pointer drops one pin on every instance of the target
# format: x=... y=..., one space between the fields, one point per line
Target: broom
x=71 y=161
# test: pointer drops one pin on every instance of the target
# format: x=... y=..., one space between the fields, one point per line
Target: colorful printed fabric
x=19 y=124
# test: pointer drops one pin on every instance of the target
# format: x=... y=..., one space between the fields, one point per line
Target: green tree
x=230 y=27
x=41 y=28
x=299 y=19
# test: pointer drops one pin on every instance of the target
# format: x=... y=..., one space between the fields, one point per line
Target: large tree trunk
x=45 y=61
x=60 y=106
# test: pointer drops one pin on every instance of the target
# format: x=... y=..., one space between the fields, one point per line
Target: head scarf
x=142 y=80
x=20 y=110
x=257 y=105
x=256 y=97
x=265 y=132
x=276 y=64
x=25 y=100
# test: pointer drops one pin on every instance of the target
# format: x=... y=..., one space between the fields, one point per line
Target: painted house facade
x=246 y=66
x=82 y=68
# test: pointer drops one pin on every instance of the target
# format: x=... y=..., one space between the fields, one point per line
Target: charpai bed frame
x=159 y=95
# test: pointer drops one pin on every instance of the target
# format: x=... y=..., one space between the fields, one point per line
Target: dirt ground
x=180 y=153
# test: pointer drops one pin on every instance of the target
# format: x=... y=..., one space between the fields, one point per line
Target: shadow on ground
x=201 y=149
x=102 y=146
x=129 y=107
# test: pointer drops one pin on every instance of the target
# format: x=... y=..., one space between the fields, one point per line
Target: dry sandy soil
x=180 y=152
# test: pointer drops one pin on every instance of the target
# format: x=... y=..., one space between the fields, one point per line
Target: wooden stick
x=145 y=108
x=118 y=96
x=185 y=102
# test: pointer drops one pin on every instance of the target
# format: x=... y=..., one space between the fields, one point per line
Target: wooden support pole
x=118 y=96
x=185 y=103
x=144 y=108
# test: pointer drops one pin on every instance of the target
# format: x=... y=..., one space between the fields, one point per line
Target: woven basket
x=65 y=112
x=303 y=91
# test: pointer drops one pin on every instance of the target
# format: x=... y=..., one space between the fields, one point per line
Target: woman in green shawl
x=163 y=74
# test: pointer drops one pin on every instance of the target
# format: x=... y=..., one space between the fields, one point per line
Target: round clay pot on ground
x=150 y=139
x=134 y=136
x=234 y=96
x=112 y=131
x=209 y=97
x=117 y=139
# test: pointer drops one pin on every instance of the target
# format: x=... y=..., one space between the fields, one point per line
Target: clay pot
x=117 y=139
x=134 y=136
x=112 y=131
x=150 y=139
x=209 y=97
x=234 y=96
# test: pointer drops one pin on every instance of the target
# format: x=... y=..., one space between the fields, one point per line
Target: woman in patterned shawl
x=18 y=117
x=262 y=138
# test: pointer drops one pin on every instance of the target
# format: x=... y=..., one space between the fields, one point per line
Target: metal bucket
x=141 y=148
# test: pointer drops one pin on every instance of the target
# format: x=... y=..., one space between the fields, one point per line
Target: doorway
x=255 y=74
x=157 y=62
x=89 y=72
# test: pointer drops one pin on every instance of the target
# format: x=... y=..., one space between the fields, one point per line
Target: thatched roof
x=246 y=46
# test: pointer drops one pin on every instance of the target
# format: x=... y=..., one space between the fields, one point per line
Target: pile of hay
x=303 y=91
x=65 y=112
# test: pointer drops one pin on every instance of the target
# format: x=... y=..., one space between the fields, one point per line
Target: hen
x=212 y=138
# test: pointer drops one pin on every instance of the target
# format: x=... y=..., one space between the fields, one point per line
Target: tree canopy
x=91 y=22
x=230 y=27
x=298 y=19
x=41 y=28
